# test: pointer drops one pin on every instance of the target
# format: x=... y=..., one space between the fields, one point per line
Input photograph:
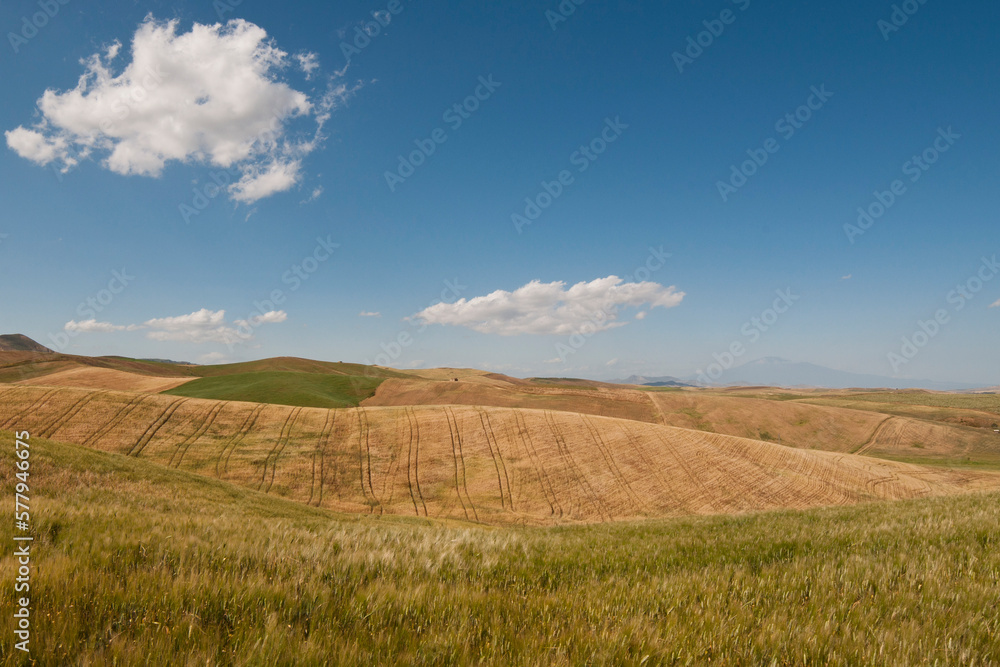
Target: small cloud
x=995 y=304
x=613 y=362
x=314 y=196
x=213 y=358
x=554 y=360
x=641 y=315
x=847 y=277
x=365 y=313
x=201 y=326
x=308 y=62
x=92 y=326
x=551 y=308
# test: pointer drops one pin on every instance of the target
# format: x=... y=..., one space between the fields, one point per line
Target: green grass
x=295 y=364
x=140 y=564
x=311 y=390
x=13 y=371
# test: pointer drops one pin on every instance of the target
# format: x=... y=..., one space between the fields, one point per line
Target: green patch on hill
x=296 y=364
x=309 y=390
x=18 y=365
x=135 y=563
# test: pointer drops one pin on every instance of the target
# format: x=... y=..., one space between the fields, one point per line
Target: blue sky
x=79 y=206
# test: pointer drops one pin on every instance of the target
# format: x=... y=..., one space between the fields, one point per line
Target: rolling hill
x=21 y=343
x=493 y=465
x=311 y=390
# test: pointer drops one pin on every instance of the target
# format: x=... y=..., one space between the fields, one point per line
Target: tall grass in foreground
x=139 y=564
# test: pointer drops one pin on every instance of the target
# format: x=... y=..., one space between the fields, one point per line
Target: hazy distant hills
x=663 y=381
x=777 y=372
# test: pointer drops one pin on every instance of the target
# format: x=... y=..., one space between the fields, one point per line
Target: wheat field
x=491 y=465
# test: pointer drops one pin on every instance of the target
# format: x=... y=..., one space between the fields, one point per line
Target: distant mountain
x=21 y=343
x=663 y=381
x=777 y=372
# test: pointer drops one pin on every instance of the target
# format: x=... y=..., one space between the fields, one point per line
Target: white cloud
x=613 y=362
x=847 y=277
x=213 y=358
x=263 y=180
x=641 y=315
x=316 y=193
x=270 y=317
x=92 y=326
x=554 y=360
x=308 y=62
x=212 y=96
x=201 y=326
x=550 y=308
x=366 y=313
x=996 y=304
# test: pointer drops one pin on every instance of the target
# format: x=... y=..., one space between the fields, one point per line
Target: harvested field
x=91 y=377
x=492 y=465
x=494 y=392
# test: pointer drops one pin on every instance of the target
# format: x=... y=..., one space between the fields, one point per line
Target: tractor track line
x=409 y=461
x=567 y=455
x=491 y=441
x=282 y=444
x=185 y=445
x=248 y=423
x=610 y=460
x=154 y=428
x=644 y=455
x=60 y=421
x=456 y=451
x=661 y=417
x=461 y=454
x=687 y=470
x=416 y=458
x=281 y=434
x=31 y=408
x=390 y=474
x=117 y=419
x=882 y=425
x=324 y=437
x=543 y=476
x=366 y=453
x=286 y=432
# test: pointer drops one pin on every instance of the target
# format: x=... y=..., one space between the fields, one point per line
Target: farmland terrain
x=138 y=564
